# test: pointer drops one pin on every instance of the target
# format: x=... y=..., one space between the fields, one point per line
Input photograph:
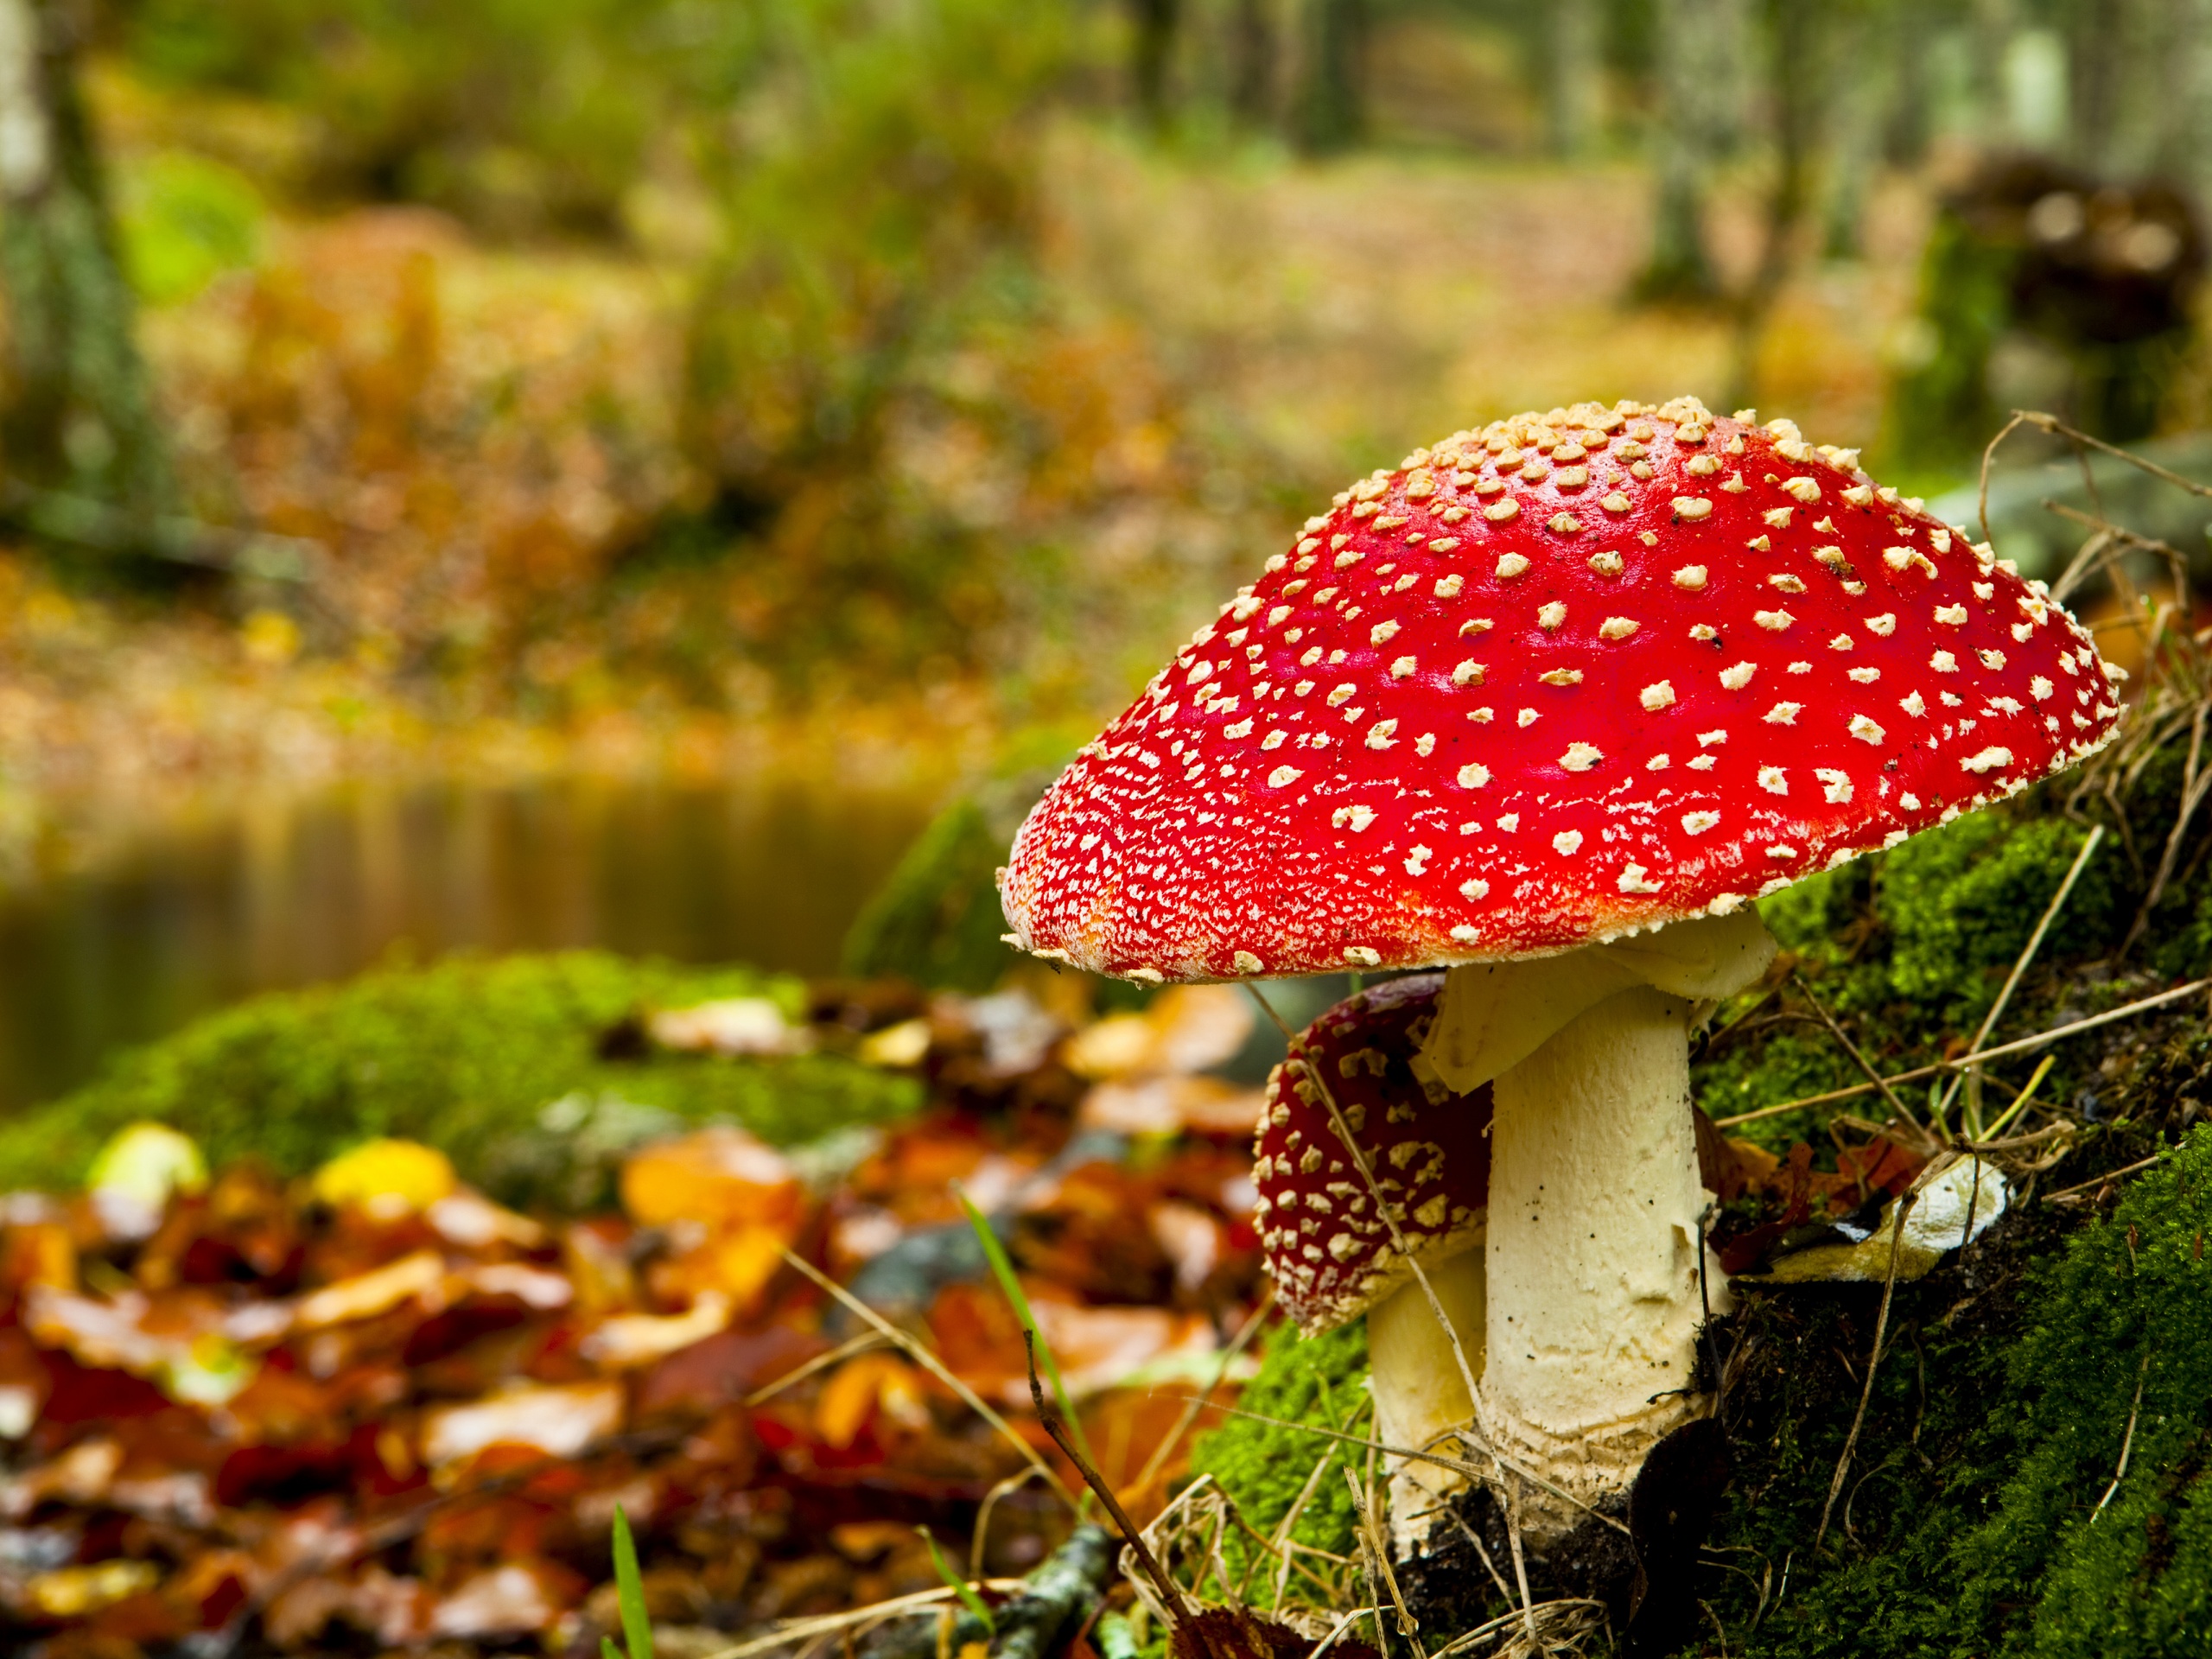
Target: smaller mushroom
x=1332 y=1256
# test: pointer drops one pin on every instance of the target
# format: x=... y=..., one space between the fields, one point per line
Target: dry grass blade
x=2058 y=428
x=2096 y=1182
x=1874 y=1359
x=2196 y=781
x=2020 y=965
x=2004 y=1051
x=927 y=1359
x=2126 y=1440
x=1858 y=1058
x=1230 y=1356
x=1473 y=1471
x=803 y=1630
x=850 y=1348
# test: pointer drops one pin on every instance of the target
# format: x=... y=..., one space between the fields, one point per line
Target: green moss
x=468 y=1055
x=1263 y=1466
x=936 y=920
x=1976 y=1487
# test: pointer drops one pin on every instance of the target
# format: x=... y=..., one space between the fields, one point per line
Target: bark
x=1700 y=83
x=1154 y=24
x=1334 y=107
x=1253 y=52
x=1570 y=76
x=79 y=415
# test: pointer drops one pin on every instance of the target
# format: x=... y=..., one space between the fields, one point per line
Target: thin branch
x=1230 y=1356
x=1874 y=1360
x=2127 y=1440
x=2080 y=1187
x=2004 y=1051
x=1851 y=1048
x=2021 y=966
x=2195 y=785
x=928 y=1361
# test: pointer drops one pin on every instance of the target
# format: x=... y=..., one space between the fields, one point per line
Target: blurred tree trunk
x=1252 y=49
x=1905 y=132
x=1858 y=83
x=1333 y=107
x=1700 y=81
x=1571 y=75
x=1792 y=40
x=1994 y=24
x=1153 y=25
x=79 y=414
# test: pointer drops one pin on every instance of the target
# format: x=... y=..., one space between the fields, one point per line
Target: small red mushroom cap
x=1550 y=683
x=1331 y=1255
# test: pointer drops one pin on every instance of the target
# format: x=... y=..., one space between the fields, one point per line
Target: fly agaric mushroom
x=1541 y=692
x=1333 y=1258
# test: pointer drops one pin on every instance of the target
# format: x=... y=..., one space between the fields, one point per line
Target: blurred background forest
x=862 y=394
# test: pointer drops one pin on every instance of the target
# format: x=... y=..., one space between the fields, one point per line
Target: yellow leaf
x=386 y=1178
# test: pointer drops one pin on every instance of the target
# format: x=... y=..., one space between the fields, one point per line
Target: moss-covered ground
x=527 y=1069
x=1985 y=1510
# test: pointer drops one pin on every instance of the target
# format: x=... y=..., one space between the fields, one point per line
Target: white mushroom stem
x=1593 y=1301
x=1420 y=1392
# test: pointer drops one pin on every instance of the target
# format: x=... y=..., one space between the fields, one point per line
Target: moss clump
x=936 y=919
x=466 y=1055
x=1263 y=1466
x=1995 y=1430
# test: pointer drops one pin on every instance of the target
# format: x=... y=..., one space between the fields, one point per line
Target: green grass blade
x=630 y=1590
x=608 y=1649
x=1003 y=1270
x=960 y=1586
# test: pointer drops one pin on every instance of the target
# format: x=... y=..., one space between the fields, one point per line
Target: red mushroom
x=1333 y=1259
x=1544 y=689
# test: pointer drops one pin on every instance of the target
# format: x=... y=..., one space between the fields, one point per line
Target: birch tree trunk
x=1700 y=89
x=79 y=415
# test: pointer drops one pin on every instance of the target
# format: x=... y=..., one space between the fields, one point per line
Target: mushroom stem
x=1594 y=1196
x=1594 y=1306
x=1419 y=1394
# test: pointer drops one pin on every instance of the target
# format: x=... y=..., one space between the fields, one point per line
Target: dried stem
x=1874 y=1359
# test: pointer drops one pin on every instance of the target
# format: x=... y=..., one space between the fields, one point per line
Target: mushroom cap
x=1331 y=1255
x=1551 y=682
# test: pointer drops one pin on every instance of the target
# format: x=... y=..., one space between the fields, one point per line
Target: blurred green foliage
x=184 y=220
x=520 y=113
x=468 y=1055
x=879 y=187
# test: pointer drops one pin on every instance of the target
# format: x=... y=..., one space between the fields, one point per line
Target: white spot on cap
x=1465 y=934
x=1473 y=775
x=1883 y=625
x=1778 y=517
x=1512 y=565
x=1551 y=616
x=1691 y=576
x=1526 y=717
x=1951 y=616
x=1773 y=621
x=1693 y=507
x=1402 y=668
x=1379 y=734
x=2040 y=689
x=1864 y=729
x=1354 y=818
x=1468 y=673
x=1988 y=761
x=1367 y=956
x=1737 y=675
x=1449 y=586
x=1343 y=695
x=1499 y=512
x=1944 y=663
x=1567 y=840
x=1804 y=488
x=1865 y=676
x=1618 y=628
x=1474 y=887
x=1696 y=823
x=1382 y=633
x=1580 y=757
x=1836 y=785
x=1425 y=744
x=1634 y=879
x=1657 y=696
x=1246 y=962
x=1782 y=714
x=1773 y=781
x=1562 y=676
x=1417 y=859
x=1283 y=777
x=1991 y=659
